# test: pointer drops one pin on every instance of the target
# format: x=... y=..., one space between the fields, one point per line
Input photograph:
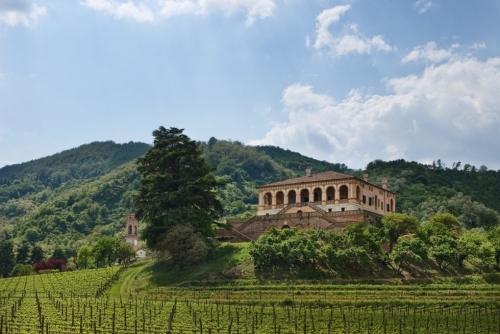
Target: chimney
x=308 y=171
x=384 y=183
x=365 y=177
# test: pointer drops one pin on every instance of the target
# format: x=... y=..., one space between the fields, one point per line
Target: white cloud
x=254 y=9
x=430 y=53
x=423 y=5
x=450 y=111
x=16 y=12
x=122 y=10
x=351 y=40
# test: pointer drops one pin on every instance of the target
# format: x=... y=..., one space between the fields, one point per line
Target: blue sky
x=343 y=81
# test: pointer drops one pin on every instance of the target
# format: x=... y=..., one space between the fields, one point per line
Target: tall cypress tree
x=177 y=187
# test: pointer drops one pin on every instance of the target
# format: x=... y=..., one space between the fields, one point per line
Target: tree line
x=401 y=243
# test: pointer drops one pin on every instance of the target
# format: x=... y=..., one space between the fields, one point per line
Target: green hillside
x=76 y=196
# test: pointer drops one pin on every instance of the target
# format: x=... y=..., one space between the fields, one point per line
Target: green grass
x=228 y=262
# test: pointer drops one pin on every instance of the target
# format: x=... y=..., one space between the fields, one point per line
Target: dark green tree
x=177 y=187
x=23 y=253
x=7 y=258
x=184 y=246
x=36 y=254
x=59 y=254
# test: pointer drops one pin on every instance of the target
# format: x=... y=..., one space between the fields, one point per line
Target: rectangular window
x=364 y=199
x=370 y=201
x=388 y=208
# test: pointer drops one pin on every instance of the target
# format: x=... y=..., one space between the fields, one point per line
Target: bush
x=22 y=270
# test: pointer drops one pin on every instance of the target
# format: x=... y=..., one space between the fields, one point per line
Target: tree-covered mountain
x=77 y=196
x=473 y=195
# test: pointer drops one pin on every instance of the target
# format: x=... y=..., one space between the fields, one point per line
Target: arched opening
x=280 y=199
x=358 y=193
x=318 y=194
x=285 y=226
x=292 y=197
x=330 y=195
x=268 y=200
x=299 y=213
x=304 y=196
x=130 y=229
x=344 y=194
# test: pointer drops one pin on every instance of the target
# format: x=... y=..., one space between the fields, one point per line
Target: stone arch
x=318 y=194
x=268 y=199
x=292 y=197
x=344 y=192
x=304 y=196
x=280 y=199
x=330 y=194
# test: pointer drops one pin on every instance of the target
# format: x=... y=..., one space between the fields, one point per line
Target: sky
x=343 y=81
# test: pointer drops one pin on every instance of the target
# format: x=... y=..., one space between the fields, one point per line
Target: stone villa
x=328 y=200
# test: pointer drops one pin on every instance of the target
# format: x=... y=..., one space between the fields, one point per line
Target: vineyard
x=79 y=302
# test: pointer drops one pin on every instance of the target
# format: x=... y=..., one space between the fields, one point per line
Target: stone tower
x=131 y=231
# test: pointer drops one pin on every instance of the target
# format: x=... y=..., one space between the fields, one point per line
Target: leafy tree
x=474 y=244
x=409 y=250
x=184 y=246
x=177 y=187
x=59 y=254
x=7 y=258
x=494 y=238
x=22 y=270
x=84 y=257
x=443 y=250
x=36 y=254
x=104 y=251
x=452 y=225
x=23 y=253
x=398 y=224
x=124 y=252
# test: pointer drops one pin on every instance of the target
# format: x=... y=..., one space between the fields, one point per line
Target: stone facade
x=327 y=200
x=132 y=231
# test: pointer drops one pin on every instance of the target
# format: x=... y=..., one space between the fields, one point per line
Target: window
x=364 y=199
x=370 y=201
x=388 y=207
x=330 y=210
x=343 y=209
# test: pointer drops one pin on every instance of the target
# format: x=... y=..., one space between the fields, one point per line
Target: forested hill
x=472 y=194
x=86 y=161
x=79 y=195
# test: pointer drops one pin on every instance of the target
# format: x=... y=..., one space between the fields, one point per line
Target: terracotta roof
x=323 y=176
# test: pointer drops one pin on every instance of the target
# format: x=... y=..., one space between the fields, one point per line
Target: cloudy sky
x=344 y=81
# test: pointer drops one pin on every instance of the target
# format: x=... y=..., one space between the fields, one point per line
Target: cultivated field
x=80 y=302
